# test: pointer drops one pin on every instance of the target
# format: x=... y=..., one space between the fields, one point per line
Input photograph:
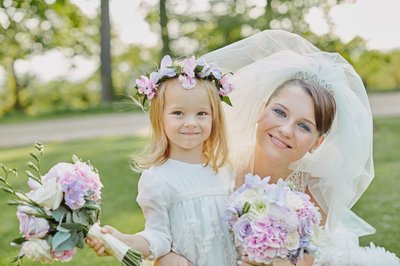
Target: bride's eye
x=279 y=112
x=304 y=126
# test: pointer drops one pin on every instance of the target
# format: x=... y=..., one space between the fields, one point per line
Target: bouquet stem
x=117 y=248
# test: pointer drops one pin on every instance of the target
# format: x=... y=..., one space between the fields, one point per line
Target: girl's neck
x=193 y=156
x=263 y=166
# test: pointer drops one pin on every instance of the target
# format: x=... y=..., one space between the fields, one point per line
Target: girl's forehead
x=177 y=95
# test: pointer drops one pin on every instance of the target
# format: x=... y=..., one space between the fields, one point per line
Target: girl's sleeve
x=154 y=198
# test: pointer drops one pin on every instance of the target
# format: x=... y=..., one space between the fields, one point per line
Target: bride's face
x=286 y=129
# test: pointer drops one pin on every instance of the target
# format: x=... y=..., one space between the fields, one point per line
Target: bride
x=337 y=166
x=342 y=166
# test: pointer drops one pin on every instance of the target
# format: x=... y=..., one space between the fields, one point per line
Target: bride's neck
x=263 y=166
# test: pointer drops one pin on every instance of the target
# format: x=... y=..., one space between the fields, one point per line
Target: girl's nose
x=190 y=122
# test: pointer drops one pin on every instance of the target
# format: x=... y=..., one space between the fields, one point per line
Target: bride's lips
x=279 y=142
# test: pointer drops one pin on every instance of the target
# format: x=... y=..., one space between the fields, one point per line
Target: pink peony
x=63 y=255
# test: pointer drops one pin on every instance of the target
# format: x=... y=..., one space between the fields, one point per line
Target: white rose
x=48 y=195
x=293 y=201
x=37 y=250
x=292 y=240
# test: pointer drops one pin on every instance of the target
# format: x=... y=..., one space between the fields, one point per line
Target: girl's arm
x=134 y=241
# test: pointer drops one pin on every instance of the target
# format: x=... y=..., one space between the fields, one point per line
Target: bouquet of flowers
x=59 y=211
x=273 y=221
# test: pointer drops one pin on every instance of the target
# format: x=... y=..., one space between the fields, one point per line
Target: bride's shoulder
x=240 y=176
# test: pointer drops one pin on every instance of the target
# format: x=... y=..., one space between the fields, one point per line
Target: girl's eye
x=279 y=112
x=202 y=113
x=305 y=127
x=177 y=113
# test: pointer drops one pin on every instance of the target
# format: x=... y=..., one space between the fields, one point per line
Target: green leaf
x=60 y=213
x=19 y=240
x=62 y=241
x=78 y=239
x=6 y=189
x=226 y=100
x=31 y=175
x=73 y=226
x=246 y=207
x=39 y=146
x=75 y=158
x=33 y=166
x=34 y=156
x=80 y=217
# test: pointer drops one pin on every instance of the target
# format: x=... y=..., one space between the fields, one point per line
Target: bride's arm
x=172 y=259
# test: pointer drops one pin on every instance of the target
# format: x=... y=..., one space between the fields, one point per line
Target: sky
x=375 y=21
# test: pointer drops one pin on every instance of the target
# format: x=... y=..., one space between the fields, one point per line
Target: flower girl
x=186 y=182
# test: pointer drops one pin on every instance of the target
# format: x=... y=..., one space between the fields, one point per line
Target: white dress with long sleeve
x=183 y=205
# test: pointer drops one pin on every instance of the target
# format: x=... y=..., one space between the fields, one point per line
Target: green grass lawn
x=379 y=206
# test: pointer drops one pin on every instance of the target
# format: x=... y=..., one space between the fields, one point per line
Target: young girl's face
x=187 y=118
x=286 y=129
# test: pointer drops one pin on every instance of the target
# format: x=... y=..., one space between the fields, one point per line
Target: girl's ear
x=317 y=143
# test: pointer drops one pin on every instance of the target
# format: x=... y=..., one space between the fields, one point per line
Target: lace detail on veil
x=299 y=180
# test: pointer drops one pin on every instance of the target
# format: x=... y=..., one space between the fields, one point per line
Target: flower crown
x=186 y=70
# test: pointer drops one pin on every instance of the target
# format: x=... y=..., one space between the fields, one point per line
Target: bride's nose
x=286 y=129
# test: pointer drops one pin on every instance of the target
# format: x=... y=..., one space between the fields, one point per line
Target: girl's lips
x=278 y=142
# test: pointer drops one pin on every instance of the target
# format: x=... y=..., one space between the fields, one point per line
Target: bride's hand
x=97 y=245
x=245 y=261
x=172 y=259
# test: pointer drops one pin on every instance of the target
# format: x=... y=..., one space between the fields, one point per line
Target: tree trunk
x=268 y=14
x=15 y=87
x=164 y=28
x=107 y=94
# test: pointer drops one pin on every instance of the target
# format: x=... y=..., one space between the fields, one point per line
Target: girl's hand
x=97 y=244
x=172 y=259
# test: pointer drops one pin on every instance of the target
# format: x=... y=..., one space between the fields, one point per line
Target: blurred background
x=67 y=61
x=78 y=54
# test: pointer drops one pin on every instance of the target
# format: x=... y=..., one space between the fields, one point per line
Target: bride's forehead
x=291 y=94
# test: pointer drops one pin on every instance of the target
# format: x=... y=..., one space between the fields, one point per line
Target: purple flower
x=166 y=68
x=231 y=215
x=305 y=227
x=227 y=87
x=148 y=86
x=242 y=228
x=188 y=66
x=209 y=69
x=32 y=227
x=187 y=82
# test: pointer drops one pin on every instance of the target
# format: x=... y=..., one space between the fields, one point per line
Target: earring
x=311 y=150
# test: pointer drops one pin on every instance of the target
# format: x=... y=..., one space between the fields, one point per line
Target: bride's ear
x=317 y=143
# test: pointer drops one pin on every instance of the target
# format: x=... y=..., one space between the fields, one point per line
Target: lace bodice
x=299 y=180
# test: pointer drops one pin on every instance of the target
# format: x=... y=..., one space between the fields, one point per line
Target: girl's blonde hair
x=215 y=148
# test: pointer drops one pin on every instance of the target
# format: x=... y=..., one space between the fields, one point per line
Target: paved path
x=126 y=124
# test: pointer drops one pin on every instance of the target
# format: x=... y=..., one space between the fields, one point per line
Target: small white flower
x=293 y=201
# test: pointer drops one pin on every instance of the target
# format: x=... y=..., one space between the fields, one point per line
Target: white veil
x=343 y=163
